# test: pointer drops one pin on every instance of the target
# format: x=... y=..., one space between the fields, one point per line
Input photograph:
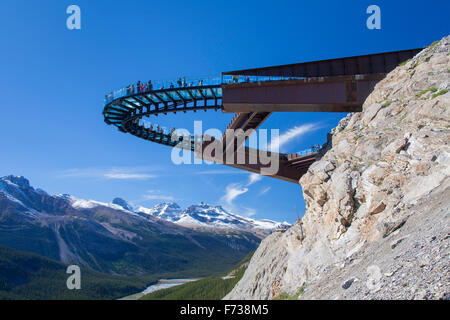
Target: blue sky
x=53 y=81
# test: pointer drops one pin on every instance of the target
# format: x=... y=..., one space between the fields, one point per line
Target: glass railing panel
x=130 y=101
x=134 y=101
x=144 y=99
x=173 y=95
x=184 y=94
x=206 y=92
x=114 y=113
x=195 y=94
x=154 y=97
x=149 y=98
x=121 y=108
x=162 y=96
x=125 y=103
x=114 y=121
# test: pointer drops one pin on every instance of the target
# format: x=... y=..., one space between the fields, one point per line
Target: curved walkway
x=125 y=111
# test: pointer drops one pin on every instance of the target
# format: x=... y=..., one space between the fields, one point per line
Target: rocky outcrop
x=387 y=166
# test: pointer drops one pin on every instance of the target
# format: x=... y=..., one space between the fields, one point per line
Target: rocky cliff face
x=376 y=222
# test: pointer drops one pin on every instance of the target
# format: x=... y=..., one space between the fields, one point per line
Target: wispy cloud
x=233 y=191
x=248 y=212
x=264 y=191
x=116 y=173
x=125 y=176
x=253 y=178
x=292 y=134
x=157 y=195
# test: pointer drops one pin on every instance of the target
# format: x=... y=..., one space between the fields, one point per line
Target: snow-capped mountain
x=203 y=216
x=169 y=211
x=206 y=216
x=35 y=201
x=122 y=203
x=109 y=237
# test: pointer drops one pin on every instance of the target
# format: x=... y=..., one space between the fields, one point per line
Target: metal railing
x=229 y=79
x=302 y=153
x=183 y=82
x=146 y=87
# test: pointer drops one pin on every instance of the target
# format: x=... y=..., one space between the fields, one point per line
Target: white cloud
x=248 y=212
x=291 y=134
x=233 y=191
x=253 y=178
x=117 y=173
x=264 y=191
x=125 y=176
x=158 y=197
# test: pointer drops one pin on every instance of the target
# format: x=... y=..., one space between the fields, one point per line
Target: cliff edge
x=376 y=224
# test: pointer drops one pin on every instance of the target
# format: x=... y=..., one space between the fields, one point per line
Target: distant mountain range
x=116 y=238
x=203 y=216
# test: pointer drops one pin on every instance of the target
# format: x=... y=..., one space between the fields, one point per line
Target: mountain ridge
x=200 y=215
x=208 y=216
x=105 y=237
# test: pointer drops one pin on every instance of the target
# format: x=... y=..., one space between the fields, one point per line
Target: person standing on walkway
x=138 y=86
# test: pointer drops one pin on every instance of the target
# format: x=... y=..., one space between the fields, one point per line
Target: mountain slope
x=211 y=288
x=108 y=238
x=25 y=275
x=377 y=202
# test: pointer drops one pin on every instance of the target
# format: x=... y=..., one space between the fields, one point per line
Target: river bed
x=161 y=284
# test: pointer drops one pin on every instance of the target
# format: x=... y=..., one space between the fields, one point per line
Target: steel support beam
x=337 y=94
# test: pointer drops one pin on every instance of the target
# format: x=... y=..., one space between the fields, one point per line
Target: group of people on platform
x=315 y=148
x=141 y=87
x=235 y=79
